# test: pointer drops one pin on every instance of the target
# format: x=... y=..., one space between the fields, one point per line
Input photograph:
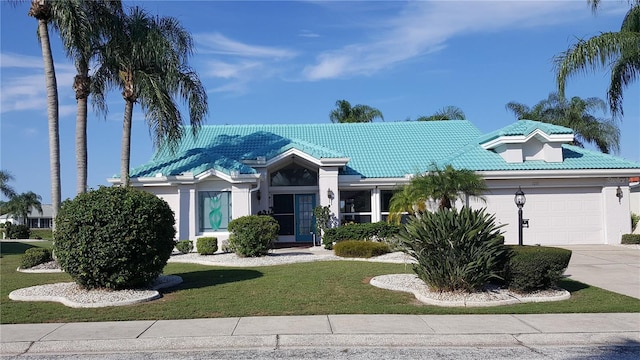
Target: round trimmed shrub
x=532 y=268
x=253 y=235
x=184 y=246
x=35 y=256
x=360 y=249
x=18 y=231
x=207 y=245
x=114 y=237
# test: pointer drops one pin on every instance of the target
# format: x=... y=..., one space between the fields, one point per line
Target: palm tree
x=446 y=113
x=575 y=114
x=344 y=113
x=82 y=26
x=43 y=11
x=6 y=189
x=620 y=50
x=442 y=185
x=21 y=205
x=147 y=59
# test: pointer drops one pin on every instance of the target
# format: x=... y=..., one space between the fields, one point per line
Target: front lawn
x=333 y=287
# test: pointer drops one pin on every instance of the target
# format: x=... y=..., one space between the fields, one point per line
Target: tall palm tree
x=147 y=59
x=43 y=11
x=82 y=26
x=21 y=205
x=446 y=113
x=575 y=114
x=442 y=185
x=618 y=50
x=5 y=188
x=345 y=113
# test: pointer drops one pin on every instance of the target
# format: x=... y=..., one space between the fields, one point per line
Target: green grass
x=45 y=234
x=336 y=287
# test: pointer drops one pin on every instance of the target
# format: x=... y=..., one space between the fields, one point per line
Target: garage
x=556 y=215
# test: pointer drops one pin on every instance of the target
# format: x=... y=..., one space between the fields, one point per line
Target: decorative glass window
x=294 y=175
x=355 y=206
x=215 y=210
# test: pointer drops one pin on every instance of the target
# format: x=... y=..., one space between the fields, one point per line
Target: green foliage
x=35 y=256
x=323 y=215
x=455 y=250
x=345 y=113
x=360 y=249
x=253 y=235
x=184 y=246
x=368 y=232
x=635 y=218
x=46 y=234
x=532 y=268
x=114 y=237
x=207 y=245
x=17 y=231
x=631 y=239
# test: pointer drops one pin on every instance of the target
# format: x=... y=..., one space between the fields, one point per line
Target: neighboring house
x=36 y=219
x=574 y=196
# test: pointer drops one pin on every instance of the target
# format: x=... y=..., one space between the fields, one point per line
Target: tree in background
x=21 y=205
x=5 y=188
x=83 y=25
x=44 y=11
x=345 y=113
x=442 y=185
x=446 y=113
x=146 y=58
x=575 y=114
x=618 y=50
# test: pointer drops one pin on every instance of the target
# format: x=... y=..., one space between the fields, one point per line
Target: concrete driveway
x=615 y=268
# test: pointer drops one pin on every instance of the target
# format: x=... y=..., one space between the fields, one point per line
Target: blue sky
x=288 y=62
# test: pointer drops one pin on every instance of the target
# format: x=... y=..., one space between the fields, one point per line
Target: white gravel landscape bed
x=492 y=296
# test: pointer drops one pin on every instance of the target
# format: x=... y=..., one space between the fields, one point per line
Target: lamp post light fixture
x=520 y=199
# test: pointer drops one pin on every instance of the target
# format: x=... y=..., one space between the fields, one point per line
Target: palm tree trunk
x=125 y=155
x=52 y=110
x=81 y=86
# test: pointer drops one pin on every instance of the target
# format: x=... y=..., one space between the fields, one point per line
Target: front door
x=305 y=222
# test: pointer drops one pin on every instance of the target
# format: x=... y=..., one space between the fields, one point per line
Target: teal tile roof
x=375 y=150
x=524 y=128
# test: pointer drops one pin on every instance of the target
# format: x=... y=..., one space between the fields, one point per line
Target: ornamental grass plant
x=455 y=250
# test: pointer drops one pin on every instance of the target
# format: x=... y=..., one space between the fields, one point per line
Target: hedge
x=532 y=268
x=364 y=232
x=360 y=249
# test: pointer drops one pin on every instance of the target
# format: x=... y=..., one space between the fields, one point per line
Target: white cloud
x=216 y=43
x=23 y=84
x=308 y=34
x=424 y=27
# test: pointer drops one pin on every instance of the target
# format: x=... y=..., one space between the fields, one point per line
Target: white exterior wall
x=328 y=180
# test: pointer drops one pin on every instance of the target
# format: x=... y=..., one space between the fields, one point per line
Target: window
x=385 y=205
x=215 y=210
x=355 y=206
x=293 y=175
x=283 y=212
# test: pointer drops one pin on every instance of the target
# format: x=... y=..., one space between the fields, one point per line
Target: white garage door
x=556 y=215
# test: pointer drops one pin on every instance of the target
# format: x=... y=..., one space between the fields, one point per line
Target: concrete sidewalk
x=322 y=331
x=614 y=268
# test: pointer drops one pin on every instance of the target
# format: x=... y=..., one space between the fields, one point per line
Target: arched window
x=294 y=175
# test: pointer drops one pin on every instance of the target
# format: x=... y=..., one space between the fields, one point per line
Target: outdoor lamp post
x=520 y=200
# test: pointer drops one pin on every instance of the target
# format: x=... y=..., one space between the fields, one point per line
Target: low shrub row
x=380 y=231
x=360 y=249
x=184 y=246
x=629 y=239
x=35 y=256
x=207 y=245
x=532 y=268
x=17 y=231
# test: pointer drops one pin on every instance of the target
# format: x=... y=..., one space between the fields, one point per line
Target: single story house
x=573 y=195
x=36 y=219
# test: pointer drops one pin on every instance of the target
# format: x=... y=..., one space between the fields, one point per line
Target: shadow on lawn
x=572 y=285
x=14 y=248
x=206 y=278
